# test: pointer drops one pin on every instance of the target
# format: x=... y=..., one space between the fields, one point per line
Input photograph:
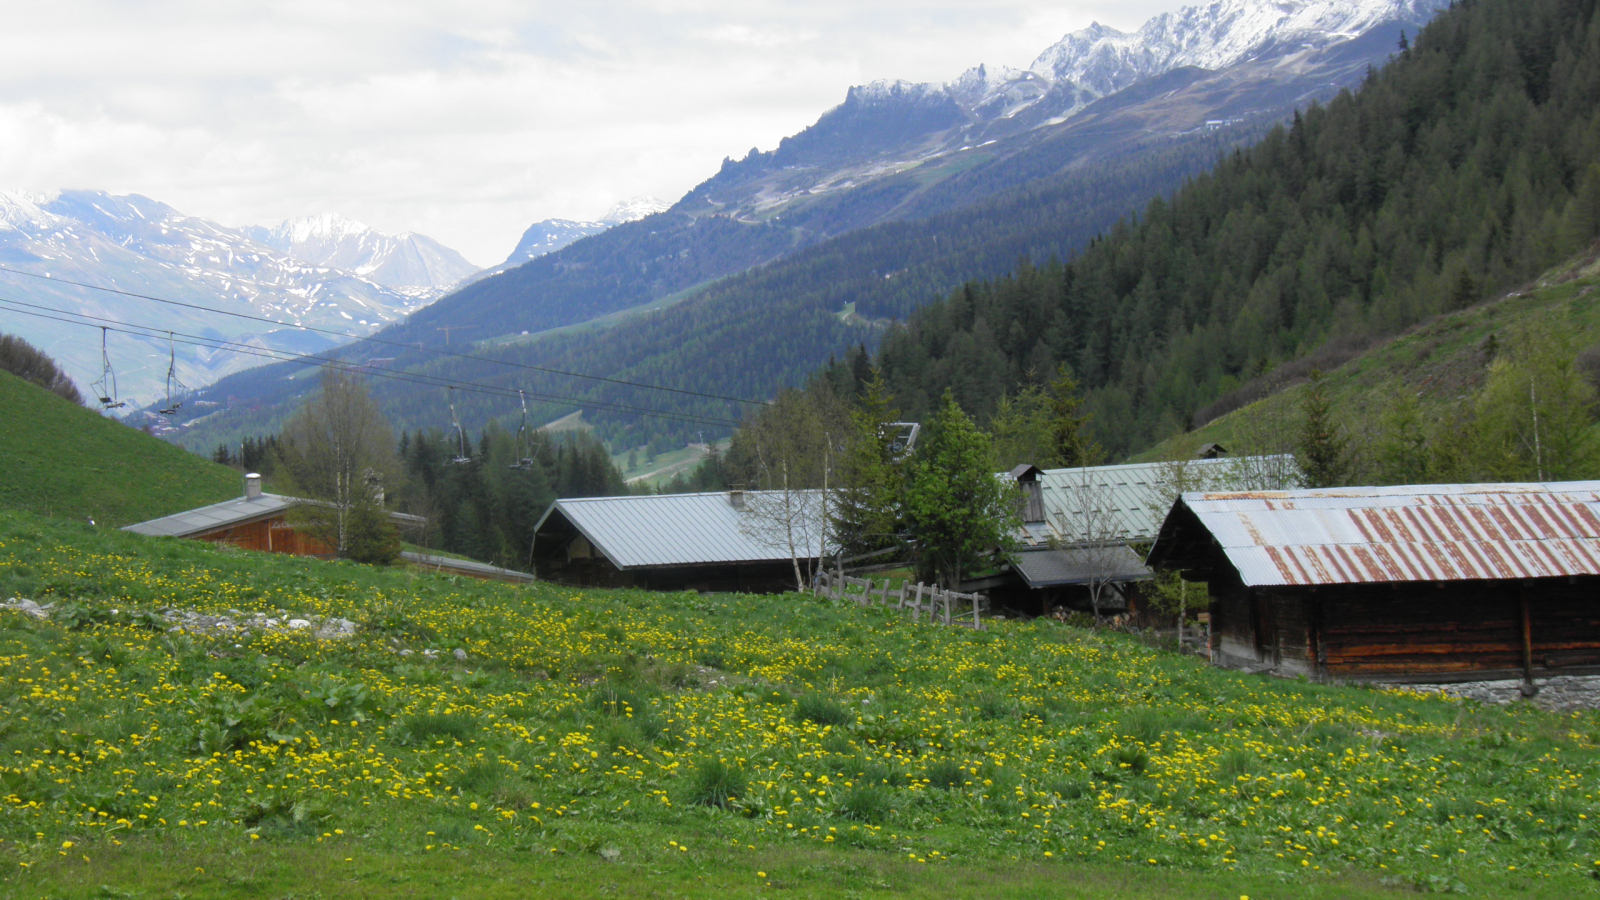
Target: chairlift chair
x=105 y=390
x=176 y=390
x=902 y=438
x=525 y=459
x=461 y=458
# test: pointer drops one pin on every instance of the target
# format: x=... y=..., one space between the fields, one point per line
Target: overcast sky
x=465 y=121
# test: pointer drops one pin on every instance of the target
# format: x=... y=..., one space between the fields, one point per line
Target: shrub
x=866 y=803
x=821 y=711
x=1233 y=763
x=715 y=783
x=1143 y=726
x=880 y=774
x=433 y=727
x=1129 y=759
x=992 y=706
x=1069 y=788
x=946 y=774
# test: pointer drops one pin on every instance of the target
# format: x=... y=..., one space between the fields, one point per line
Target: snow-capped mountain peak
x=21 y=211
x=1099 y=60
x=1219 y=34
x=407 y=260
x=634 y=210
x=328 y=226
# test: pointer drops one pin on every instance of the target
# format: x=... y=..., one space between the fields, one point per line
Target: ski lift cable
x=375 y=340
x=330 y=362
x=270 y=354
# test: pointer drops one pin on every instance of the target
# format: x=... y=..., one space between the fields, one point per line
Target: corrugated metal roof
x=690 y=529
x=226 y=514
x=1452 y=532
x=465 y=566
x=1138 y=495
x=238 y=511
x=1080 y=565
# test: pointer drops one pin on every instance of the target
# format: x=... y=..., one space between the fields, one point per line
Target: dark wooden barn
x=1429 y=584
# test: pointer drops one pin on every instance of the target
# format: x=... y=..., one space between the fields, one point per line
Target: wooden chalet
x=1422 y=584
x=255 y=521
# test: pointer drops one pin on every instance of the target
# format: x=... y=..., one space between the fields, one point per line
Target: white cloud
x=465 y=122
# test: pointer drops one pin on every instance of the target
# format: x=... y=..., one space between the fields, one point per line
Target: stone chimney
x=252 y=486
x=736 y=496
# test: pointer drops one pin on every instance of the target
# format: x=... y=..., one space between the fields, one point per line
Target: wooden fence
x=942 y=607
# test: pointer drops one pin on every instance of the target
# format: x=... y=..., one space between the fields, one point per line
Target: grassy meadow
x=622 y=742
x=59 y=459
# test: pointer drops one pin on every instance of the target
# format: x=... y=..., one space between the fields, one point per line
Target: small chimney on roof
x=252 y=486
x=736 y=496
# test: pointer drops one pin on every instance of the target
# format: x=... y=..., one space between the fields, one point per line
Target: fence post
x=977 y=623
x=947 y=600
x=916 y=603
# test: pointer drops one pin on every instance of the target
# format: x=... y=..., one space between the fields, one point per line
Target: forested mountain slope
x=1503 y=390
x=1466 y=166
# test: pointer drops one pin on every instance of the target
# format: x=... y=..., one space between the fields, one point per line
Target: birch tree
x=338 y=449
x=1086 y=523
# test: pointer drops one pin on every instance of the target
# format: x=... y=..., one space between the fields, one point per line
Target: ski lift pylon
x=105 y=390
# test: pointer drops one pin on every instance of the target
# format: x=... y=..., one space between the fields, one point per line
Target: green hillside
x=59 y=459
x=628 y=743
x=1443 y=364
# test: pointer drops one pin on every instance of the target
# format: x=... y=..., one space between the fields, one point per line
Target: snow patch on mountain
x=634 y=210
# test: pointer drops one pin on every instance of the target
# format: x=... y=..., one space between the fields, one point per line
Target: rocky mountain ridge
x=138 y=245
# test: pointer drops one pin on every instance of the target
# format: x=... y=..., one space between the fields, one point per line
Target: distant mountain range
x=407 y=260
x=551 y=235
x=325 y=272
x=890 y=200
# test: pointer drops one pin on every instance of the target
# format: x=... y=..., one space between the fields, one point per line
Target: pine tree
x=1068 y=422
x=957 y=513
x=1401 y=449
x=1322 y=441
x=866 y=504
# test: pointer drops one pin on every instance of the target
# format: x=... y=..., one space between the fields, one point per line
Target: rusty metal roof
x=1453 y=532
